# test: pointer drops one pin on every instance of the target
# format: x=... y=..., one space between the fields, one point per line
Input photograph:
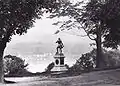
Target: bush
x=87 y=62
x=49 y=67
x=14 y=66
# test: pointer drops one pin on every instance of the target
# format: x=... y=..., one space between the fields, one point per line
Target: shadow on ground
x=9 y=82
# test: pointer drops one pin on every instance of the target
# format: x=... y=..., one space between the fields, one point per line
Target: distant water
x=38 y=63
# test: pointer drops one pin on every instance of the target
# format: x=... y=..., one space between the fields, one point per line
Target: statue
x=59 y=66
x=60 y=45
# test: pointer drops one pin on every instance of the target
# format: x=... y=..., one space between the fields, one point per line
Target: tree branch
x=87 y=33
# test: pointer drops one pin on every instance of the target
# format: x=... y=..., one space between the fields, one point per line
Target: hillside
x=98 y=78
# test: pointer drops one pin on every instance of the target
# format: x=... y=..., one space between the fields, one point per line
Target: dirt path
x=100 y=78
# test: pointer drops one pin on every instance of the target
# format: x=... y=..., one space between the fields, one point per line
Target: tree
x=87 y=61
x=113 y=58
x=14 y=65
x=98 y=18
x=16 y=17
x=103 y=18
x=80 y=18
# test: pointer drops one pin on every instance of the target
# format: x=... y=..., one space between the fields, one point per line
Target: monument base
x=60 y=68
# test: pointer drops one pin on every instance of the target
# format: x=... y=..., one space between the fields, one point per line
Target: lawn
x=98 y=78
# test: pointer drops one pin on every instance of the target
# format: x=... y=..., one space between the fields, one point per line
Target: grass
x=96 y=78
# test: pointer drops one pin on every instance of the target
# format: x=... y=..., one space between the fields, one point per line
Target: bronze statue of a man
x=60 y=45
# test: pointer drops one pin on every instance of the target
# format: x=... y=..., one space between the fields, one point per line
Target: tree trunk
x=2 y=47
x=99 y=57
x=99 y=50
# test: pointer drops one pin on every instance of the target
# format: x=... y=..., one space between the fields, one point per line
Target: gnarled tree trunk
x=2 y=47
x=100 y=63
x=99 y=50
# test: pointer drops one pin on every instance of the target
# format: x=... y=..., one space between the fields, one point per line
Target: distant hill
x=40 y=48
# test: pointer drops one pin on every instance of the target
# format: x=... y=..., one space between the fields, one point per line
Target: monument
x=59 y=58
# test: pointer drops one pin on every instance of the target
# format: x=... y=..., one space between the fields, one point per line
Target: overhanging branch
x=92 y=38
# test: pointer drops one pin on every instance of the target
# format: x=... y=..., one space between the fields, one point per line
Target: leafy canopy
x=105 y=16
x=91 y=16
x=16 y=16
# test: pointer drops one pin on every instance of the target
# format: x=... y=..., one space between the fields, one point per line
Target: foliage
x=49 y=67
x=113 y=58
x=87 y=61
x=98 y=18
x=16 y=16
x=102 y=15
x=14 y=65
x=67 y=66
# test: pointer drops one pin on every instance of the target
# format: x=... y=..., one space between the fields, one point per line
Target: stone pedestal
x=59 y=63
